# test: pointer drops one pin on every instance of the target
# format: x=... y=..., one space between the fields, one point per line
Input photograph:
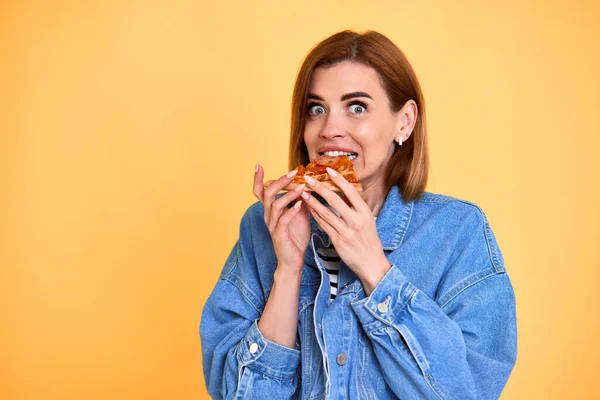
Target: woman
x=392 y=292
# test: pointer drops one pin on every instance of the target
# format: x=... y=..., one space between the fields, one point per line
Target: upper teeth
x=339 y=153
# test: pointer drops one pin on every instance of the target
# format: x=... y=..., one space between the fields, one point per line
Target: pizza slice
x=317 y=170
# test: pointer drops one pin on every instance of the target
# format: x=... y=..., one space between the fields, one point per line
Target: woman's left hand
x=353 y=233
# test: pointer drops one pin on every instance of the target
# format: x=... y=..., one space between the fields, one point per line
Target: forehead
x=343 y=78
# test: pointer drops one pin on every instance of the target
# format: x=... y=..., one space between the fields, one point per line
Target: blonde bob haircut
x=409 y=165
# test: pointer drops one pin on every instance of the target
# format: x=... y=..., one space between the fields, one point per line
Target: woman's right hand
x=289 y=227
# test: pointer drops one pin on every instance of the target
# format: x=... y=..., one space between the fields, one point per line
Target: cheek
x=374 y=149
x=310 y=137
x=311 y=129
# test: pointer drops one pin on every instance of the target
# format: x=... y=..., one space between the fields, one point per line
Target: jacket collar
x=393 y=219
x=392 y=223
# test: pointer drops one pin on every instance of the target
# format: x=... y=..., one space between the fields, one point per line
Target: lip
x=335 y=148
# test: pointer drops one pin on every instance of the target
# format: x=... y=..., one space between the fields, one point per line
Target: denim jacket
x=441 y=324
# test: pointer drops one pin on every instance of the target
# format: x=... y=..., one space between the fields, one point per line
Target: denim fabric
x=441 y=324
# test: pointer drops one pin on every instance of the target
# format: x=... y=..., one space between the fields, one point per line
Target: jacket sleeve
x=238 y=362
x=462 y=345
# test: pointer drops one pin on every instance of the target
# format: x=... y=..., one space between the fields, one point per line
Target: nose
x=333 y=128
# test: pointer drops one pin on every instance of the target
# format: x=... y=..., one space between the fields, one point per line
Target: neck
x=373 y=194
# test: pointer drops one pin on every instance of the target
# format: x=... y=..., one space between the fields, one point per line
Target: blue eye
x=315 y=109
x=358 y=108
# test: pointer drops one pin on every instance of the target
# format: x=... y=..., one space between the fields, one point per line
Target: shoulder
x=252 y=224
x=252 y=261
x=254 y=211
x=463 y=218
x=438 y=198
x=254 y=216
x=459 y=207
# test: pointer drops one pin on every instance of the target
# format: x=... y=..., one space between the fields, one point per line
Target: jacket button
x=382 y=307
x=342 y=358
x=253 y=348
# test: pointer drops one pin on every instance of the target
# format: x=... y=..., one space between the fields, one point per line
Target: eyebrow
x=344 y=97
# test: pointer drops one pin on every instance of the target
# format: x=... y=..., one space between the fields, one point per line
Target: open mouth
x=351 y=156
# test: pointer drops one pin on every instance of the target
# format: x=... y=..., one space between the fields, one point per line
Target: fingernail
x=256 y=168
x=331 y=172
x=305 y=195
x=292 y=173
x=310 y=180
x=299 y=188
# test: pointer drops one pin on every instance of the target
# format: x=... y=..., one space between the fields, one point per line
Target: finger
x=325 y=213
x=279 y=205
x=329 y=230
x=347 y=201
x=286 y=218
x=330 y=197
x=278 y=185
x=270 y=193
x=356 y=201
x=258 y=188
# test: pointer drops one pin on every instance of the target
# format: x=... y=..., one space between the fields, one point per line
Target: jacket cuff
x=266 y=356
x=386 y=302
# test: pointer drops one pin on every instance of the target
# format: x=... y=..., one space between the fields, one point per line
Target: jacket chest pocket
x=313 y=373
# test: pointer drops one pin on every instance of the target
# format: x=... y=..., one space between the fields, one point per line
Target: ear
x=407 y=118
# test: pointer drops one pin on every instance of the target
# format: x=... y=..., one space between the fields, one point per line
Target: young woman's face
x=349 y=111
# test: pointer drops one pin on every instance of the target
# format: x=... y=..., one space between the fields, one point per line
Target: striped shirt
x=332 y=263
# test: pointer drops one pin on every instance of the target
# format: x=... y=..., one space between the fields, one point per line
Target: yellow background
x=116 y=218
